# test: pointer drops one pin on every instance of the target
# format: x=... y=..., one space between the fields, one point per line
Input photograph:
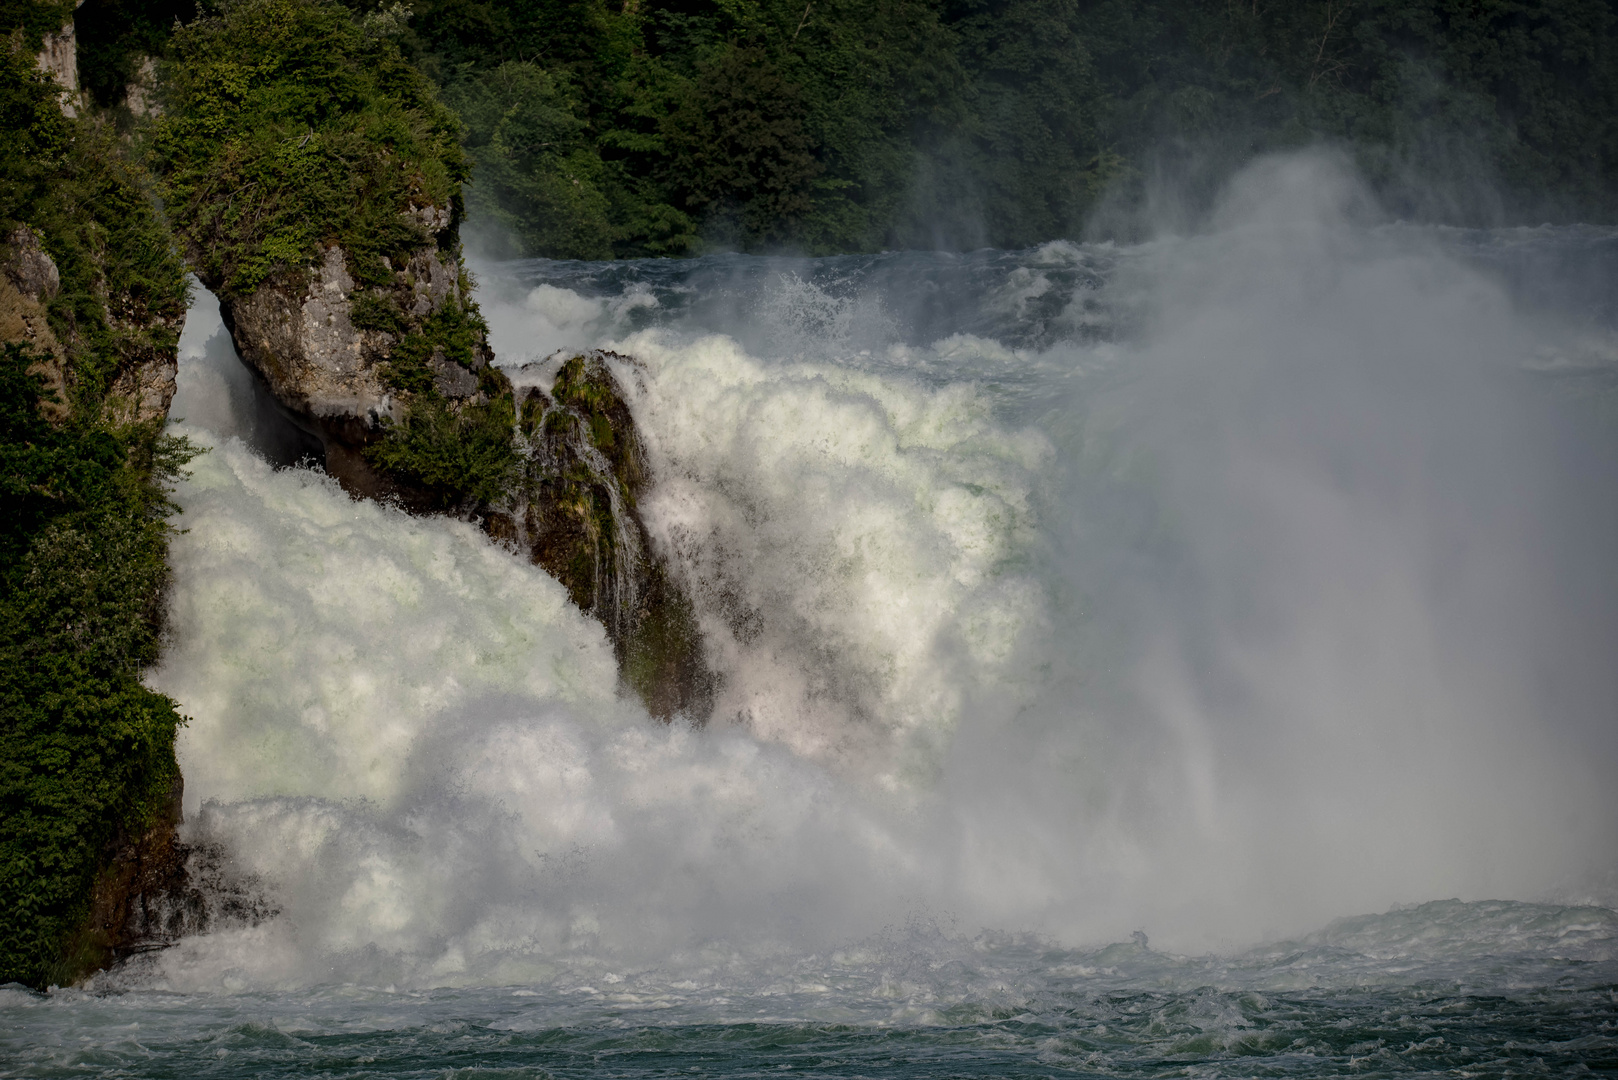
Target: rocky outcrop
x=28 y=282
x=353 y=363
x=140 y=95
x=144 y=385
x=577 y=515
x=59 y=58
x=327 y=364
x=143 y=391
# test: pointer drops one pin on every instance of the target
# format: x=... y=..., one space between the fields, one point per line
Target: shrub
x=291 y=125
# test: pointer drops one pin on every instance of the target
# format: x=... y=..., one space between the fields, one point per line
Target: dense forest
x=603 y=128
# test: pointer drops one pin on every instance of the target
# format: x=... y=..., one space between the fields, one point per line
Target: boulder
x=576 y=513
x=354 y=364
x=328 y=372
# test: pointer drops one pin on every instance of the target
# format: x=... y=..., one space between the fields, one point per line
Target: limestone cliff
x=331 y=368
x=59 y=58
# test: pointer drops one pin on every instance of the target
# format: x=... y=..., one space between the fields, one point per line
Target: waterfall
x=1265 y=581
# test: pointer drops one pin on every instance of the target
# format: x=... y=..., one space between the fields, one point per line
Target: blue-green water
x=1447 y=989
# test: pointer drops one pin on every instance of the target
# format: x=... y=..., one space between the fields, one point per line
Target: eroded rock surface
x=329 y=370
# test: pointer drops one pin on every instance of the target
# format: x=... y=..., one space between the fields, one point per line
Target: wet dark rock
x=156 y=889
x=577 y=516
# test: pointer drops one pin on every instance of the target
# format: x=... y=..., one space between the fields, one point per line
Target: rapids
x=1226 y=587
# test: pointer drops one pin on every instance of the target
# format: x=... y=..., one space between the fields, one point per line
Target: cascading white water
x=1266 y=611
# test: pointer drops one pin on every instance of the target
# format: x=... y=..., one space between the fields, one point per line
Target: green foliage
x=85 y=749
x=291 y=125
x=735 y=148
x=455 y=451
x=1457 y=110
x=669 y=126
x=123 y=293
x=33 y=19
x=373 y=309
x=452 y=330
x=537 y=172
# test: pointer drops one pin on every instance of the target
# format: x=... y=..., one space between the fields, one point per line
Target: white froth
x=1246 y=641
x=316 y=637
x=859 y=546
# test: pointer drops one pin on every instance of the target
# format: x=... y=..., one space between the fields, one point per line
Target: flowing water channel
x=1185 y=659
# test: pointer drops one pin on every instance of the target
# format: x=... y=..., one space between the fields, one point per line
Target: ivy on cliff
x=86 y=751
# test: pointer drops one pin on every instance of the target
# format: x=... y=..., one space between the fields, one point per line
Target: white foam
x=1248 y=641
x=869 y=537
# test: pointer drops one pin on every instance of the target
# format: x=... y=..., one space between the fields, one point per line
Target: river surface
x=1184 y=659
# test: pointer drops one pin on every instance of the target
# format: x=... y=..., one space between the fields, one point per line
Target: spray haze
x=1222 y=584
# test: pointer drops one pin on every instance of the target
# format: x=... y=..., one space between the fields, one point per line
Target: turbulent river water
x=1193 y=658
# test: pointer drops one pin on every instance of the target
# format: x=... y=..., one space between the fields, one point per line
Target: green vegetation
x=294 y=125
x=31 y=20
x=611 y=128
x=456 y=451
x=673 y=126
x=584 y=472
x=291 y=126
x=451 y=330
x=86 y=751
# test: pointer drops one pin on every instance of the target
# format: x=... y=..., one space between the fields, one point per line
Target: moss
x=587 y=389
x=578 y=537
x=123 y=294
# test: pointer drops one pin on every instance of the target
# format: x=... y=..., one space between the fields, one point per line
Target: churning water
x=1103 y=631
